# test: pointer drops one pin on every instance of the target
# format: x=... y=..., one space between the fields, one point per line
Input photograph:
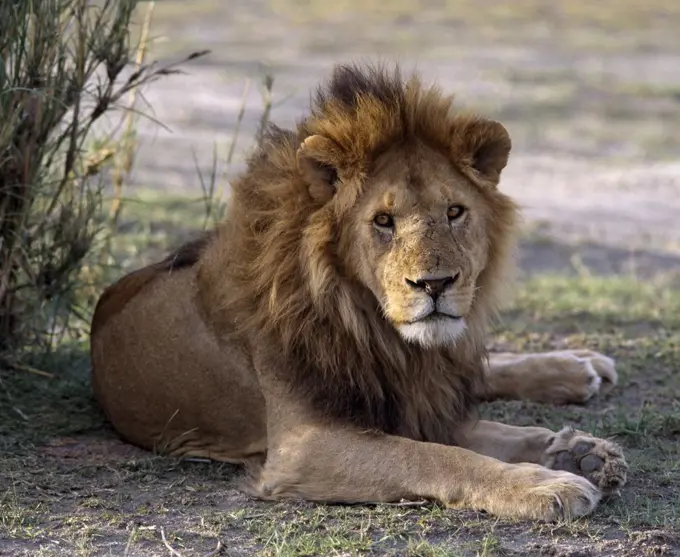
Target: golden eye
x=383 y=220
x=455 y=212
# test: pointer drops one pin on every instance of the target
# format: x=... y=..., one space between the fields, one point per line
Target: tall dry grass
x=64 y=65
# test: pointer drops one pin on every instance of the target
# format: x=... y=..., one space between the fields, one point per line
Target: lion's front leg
x=558 y=377
x=599 y=460
x=325 y=464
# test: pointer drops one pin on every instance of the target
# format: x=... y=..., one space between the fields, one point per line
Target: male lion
x=331 y=332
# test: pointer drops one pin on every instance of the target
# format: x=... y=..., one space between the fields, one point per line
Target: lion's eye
x=455 y=212
x=384 y=220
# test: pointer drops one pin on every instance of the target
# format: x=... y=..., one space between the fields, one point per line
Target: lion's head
x=417 y=237
x=411 y=191
x=369 y=247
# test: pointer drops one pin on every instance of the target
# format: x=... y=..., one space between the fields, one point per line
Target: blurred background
x=590 y=92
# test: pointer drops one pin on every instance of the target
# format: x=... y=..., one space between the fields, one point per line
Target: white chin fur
x=432 y=333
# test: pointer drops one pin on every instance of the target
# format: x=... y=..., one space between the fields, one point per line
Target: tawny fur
x=300 y=335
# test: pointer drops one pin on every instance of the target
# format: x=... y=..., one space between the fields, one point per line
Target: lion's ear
x=483 y=147
x=313 y=158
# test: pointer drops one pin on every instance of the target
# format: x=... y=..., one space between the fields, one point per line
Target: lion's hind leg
x=558 y=377
x=193 y=444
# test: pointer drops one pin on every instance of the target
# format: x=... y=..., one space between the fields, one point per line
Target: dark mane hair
x=286 y=294
x=349 y=83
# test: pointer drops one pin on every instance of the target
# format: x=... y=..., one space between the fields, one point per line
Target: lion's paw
x=599 y=460
x=544 y=494
x=575 y=376
x=598 y=365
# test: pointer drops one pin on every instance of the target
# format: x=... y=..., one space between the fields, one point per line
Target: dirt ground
x=591 y=95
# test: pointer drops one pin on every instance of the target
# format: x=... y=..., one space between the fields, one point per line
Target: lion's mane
x=289 y=293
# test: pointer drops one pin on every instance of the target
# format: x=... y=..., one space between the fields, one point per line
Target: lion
x=329 y=335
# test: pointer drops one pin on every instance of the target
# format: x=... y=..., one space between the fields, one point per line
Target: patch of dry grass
x=64 y=65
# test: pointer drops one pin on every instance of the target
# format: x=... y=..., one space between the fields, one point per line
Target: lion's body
x=336 y=320
x=194 y=396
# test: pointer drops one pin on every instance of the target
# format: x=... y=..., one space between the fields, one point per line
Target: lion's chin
x=433 y=332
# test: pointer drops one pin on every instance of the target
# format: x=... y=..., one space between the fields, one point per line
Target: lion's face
x=407 y=205
x=416 y=239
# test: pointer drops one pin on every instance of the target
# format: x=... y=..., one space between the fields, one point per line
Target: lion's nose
x=435 y=287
